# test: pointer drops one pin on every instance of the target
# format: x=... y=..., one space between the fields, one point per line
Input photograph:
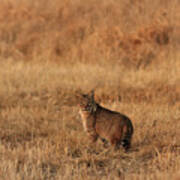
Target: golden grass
x=41 y=132
x=129 y=34
x=51 y=51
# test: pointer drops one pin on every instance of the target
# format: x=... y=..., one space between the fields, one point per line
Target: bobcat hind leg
x=125 y=144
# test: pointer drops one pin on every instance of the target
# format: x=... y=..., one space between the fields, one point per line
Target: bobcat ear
x=92 y=95
x=94 y=105
x=84 y=95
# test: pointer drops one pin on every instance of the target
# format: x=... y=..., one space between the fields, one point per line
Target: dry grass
x=128 y=53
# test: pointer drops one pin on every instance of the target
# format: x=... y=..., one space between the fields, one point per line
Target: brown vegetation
x=128 y=51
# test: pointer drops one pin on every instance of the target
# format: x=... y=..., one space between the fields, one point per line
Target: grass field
x=51 y=51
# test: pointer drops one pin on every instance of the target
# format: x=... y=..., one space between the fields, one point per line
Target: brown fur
x=108 y=125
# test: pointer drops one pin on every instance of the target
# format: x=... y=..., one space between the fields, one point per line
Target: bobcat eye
x=89 y=104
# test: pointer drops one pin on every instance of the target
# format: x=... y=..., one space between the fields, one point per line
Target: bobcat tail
x=126 y=140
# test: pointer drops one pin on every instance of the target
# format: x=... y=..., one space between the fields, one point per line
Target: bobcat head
x=87 y=103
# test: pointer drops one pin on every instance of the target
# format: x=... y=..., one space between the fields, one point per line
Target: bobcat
x=109 y=125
